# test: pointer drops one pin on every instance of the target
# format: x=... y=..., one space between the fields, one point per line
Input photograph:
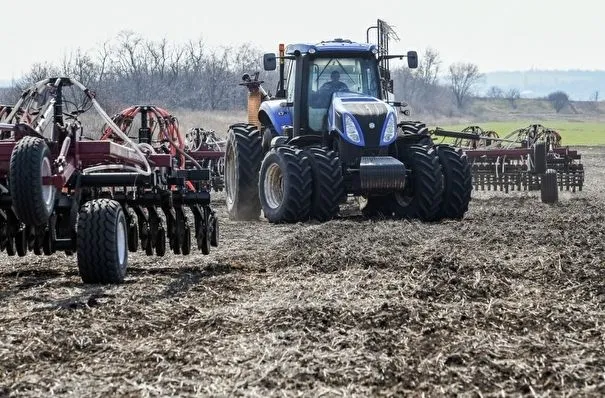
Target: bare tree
x=217 y=78
x=558 y=100
x=512 y=95
x=463 y=76
x=104 y=59
x=594 y=99
x=495 y=92
x=595 y=96
x=428 y=69
x=80 y=66
x=37 y=72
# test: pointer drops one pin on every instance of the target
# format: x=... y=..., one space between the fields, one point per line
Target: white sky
x=496 y=35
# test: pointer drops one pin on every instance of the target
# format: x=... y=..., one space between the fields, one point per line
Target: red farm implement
x=99 y=198
x=530 y=158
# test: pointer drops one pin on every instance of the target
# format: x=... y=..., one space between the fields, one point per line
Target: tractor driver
x=334 y=84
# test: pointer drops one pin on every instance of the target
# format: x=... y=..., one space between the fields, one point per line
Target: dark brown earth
x=508 y=301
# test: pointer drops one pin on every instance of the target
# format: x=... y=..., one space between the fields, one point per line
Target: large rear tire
x=327 y=183
x=243 y=157
x=414 y=132
x=457 y=182
x=32 y=201
x=422 y=196
x=285 y=185
x=102 y=242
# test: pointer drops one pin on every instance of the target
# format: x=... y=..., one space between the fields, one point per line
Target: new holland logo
x=371 y=125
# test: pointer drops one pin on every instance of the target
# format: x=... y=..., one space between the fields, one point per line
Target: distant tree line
x=558 y=99
x=133 y=70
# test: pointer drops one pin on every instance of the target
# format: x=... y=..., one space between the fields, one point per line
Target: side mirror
x=269 y=61
x=390 y=86
x=412 y=59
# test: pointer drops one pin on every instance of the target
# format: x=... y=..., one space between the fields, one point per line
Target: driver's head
x=335 y=75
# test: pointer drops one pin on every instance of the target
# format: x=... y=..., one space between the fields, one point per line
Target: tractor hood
x=362 y=120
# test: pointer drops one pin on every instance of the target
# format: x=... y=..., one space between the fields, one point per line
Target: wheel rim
x=48 y=191
x=221 y=166
x=121 y=237
x=230 y=174
x=274 y=186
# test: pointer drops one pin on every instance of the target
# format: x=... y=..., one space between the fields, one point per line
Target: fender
x=278 y=115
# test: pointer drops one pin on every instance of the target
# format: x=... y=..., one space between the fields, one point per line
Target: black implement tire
x=102 y=242
x=421 y=198
x=285 y=185
x=549 y=189
x=457 y=182
x=29 y=162
x=327 y=183
x=539 y=157
x=243 y=157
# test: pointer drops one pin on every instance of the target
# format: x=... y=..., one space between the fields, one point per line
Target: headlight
x=351 y=129
x=390 y=130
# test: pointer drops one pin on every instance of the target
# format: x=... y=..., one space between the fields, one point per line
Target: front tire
x=327 y=183
x=102 y=242
x=285 y=185
x=457 y=182
x=243 y=157
x=421 y=198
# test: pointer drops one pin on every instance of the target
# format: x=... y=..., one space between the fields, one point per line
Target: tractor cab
x=351 y=77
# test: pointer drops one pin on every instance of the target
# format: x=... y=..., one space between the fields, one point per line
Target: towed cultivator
x=529 y=158
x=61 y=191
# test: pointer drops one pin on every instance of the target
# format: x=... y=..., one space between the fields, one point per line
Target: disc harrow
x=519 y=160
x=61 y=190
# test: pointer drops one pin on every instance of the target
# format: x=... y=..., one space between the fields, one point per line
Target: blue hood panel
x=369 y=115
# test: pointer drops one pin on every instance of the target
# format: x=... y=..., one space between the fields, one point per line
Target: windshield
x=357 y=75
x=330 y=75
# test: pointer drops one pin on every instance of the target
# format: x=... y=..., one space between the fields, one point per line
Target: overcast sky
x=496 y=35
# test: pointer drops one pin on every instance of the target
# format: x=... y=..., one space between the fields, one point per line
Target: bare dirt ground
x=510 y=300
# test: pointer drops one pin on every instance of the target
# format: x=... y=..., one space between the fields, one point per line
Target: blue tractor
x=331 y=132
